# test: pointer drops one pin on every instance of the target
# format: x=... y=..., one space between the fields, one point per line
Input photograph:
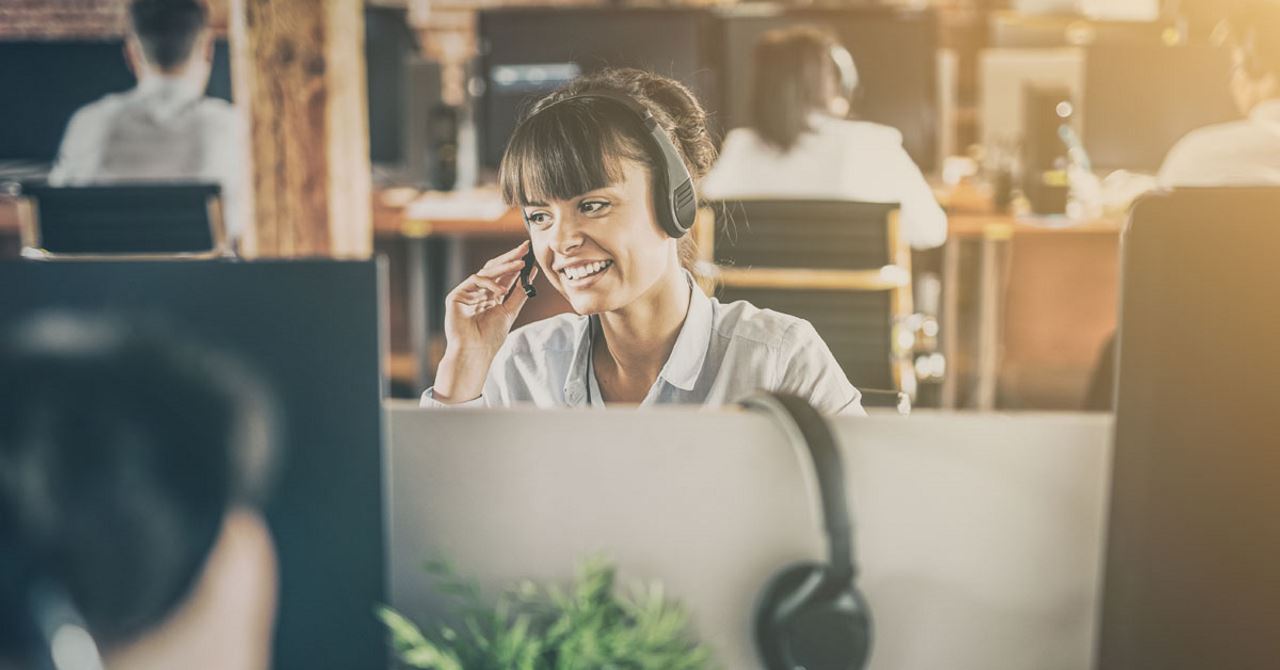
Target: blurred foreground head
x=131 y=464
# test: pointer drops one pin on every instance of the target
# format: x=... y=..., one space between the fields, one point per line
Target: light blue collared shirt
x=722 y=354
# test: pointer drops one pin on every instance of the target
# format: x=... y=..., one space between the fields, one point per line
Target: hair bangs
x=566 y=150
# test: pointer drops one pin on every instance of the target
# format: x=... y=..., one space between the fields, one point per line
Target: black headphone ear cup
x=801 y=622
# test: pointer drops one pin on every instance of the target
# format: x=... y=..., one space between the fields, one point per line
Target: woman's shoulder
x=740 y=320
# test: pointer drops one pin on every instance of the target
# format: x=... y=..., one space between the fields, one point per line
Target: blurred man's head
x=169 y=38
x=1253 y=32
x=131 y=466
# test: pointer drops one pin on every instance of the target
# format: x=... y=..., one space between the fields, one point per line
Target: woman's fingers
x=497 y=270
x=494 y=282
x=513 y=255
x=487 y=284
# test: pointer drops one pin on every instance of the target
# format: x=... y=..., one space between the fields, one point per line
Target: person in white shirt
x=583 y=170
x=164 y=129
x=801 y=146
x=1246 y=152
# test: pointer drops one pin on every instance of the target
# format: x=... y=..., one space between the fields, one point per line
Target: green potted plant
x=593 y=625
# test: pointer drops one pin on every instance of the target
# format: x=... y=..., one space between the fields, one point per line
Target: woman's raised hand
x=478 y=315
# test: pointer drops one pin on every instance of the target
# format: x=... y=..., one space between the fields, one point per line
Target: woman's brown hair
x=794 y=75
x=578 y=146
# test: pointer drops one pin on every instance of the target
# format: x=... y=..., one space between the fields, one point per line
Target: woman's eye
x=540 y=219
x=593 y=206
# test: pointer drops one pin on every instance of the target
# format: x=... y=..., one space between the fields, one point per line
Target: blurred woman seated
x=802 y=146
x=131 y=471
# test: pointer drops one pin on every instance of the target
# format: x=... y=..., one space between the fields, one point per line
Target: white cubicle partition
x=980 y=536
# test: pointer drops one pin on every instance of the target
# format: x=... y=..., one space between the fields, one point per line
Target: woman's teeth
x=583 y=271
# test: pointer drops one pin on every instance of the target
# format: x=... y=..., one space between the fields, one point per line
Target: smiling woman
x=604 y=171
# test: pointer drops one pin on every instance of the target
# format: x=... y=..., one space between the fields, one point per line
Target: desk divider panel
x=979 y=536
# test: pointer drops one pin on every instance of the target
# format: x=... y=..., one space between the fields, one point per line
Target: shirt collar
x=575 y=382
x=683 y=366
x=167 y=95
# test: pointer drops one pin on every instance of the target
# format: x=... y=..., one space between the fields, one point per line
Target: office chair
x=1191 y=576
x=840 y=265
x=134 y=221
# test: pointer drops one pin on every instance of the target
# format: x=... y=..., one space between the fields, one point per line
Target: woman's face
x=603 y=249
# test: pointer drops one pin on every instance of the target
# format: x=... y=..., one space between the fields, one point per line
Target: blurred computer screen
x=310 y=330
x=527 y=53
x=1141 y=99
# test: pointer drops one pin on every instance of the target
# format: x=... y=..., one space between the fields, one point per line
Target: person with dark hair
x=584 y=168
x=165 y=129
x=131 y=469
x=1246 y=152
x=801 y=145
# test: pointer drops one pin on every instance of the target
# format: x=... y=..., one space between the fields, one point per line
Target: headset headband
x=809 y=433
x=846 y=69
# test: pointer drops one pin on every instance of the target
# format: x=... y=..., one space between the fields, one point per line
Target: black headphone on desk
x=674 y=201
x=811 y=616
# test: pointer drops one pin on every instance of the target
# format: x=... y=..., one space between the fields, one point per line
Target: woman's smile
x=583 y=274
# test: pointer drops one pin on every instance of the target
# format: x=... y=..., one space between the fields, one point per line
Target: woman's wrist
x=461 y=375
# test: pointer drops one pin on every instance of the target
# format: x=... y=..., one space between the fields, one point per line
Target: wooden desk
x=10 y=239
x=1025 y=333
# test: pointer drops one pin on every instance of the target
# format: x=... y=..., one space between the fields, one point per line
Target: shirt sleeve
x=810 y=371
x=228 y=164
x=496 y=391
x=924 y=224
x=428 y=400
x=80 y=151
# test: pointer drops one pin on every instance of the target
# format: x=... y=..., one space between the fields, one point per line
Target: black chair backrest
x=857 y=326
x=1192 y=571
x=818 y=235
x=813 y=234
x=134 y=219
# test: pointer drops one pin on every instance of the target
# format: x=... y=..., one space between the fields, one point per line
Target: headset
x=674 y=200
x=811 y=615
x=846 y=69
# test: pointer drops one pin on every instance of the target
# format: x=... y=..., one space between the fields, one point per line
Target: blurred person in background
x=165 y=129
x=131 y=469
x=1246 y=152
x=802 y=146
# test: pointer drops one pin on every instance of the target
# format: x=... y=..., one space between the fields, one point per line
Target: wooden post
x=298 y=70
